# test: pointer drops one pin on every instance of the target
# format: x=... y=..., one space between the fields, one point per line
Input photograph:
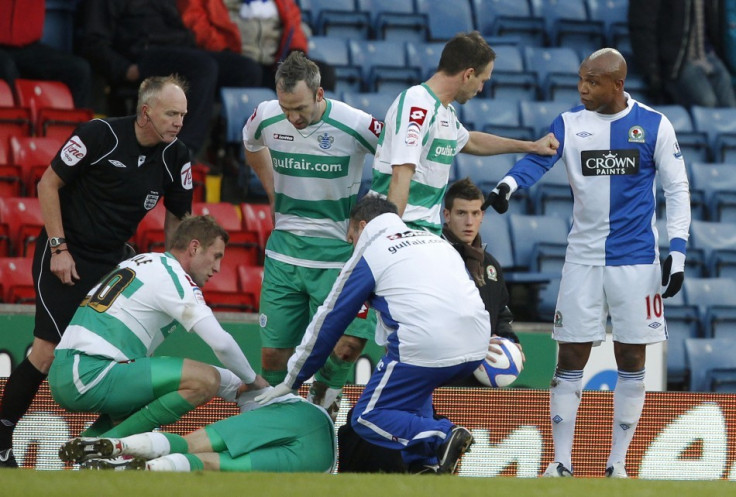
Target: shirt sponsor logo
x=116 y=163
x=73 y=151
x=417 y=115
x=186 y=176
x=325 y=141
x=412 y=135
x=286 y=138
x=636 y=134
x=442 y=151
x=376 y=127
x=610 y=162
x=151 y=201
x=307 y=165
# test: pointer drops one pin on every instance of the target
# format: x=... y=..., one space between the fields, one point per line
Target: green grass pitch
x=139 y=484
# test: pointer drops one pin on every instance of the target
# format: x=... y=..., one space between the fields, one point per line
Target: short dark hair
x=152 y=86
x=463 y=189
x=202 y=228
x=463 y=51
x=371 y=206
x=297 y=67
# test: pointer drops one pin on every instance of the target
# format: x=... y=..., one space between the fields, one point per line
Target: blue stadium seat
x=715 y=185
x=683 y=322
x=510 y=81
x=716 y=300
x=497 y=116
x=367 y=177
x=693 y=144
x=614 y=15
x=568 y=24
x=547 y=300
x=711 y=363
x=539 y=115
x=384 y=65
x=720 y=126
x=446 y=19
x=334 y=51
x=375 y=104
x=557 y=71
x=538 y=241
x=509 y=18
x=237 y=106
x=426 y=56
x=395 y=20
x=552 y=195
x=717 y=240
x=339 y=19
x=494 y=231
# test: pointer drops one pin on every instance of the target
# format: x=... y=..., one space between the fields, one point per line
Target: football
x=507 y=367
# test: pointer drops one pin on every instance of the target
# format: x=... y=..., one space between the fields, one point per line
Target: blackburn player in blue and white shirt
x=612 y=147
x=431 y=320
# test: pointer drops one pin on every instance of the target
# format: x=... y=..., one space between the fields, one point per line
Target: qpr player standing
x=101 y=183
x=612 y=147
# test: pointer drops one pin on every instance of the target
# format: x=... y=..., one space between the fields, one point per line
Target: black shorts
x=56 y=303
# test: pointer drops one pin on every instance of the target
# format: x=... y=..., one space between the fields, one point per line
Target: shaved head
x=607 y=61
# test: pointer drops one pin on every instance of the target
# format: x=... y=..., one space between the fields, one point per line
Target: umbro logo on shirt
x=583 y=134
x=116 y=163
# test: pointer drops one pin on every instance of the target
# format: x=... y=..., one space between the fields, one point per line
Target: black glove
x=498 y=198
x=675 y=280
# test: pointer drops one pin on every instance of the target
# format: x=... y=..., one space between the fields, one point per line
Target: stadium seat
x=486 y=172
x=494 y=231
x=33 y=155
x=510 y=80
x=568 y=25
x=717 y=240
x=716 y=301
x=552 y=195
x=11 y=184
x=693 y=144
x=720 y=126
x=250 y=279
x=426 y=56
x=497 y=116
x=539 y=115
x=237 y=106
x=614 y=15
x=23 y=218
x=512 y=18
x=446 y=19
x=539 y=242
x=52 y=107
x=374 y=103
x=711 y=364
x=16 y=280
x=714 y=184
x=395 y=20
x=683 y=322
x=149 y=237
x=243 y=245
x=334 y=51
x=222 y=292
x=258 y=219
x=384 y=65
x=557 y=71
x=339 y=19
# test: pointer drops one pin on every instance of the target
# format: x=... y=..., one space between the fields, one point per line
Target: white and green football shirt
x=419 y=130
x=134 y=308
x=317 y=173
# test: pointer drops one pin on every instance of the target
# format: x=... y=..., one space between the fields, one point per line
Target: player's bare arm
x=481 y=143
x=62 y=263
x=398 y=190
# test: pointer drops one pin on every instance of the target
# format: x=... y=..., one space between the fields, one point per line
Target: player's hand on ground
x=547 y=145
x=270 y=394
x=498 y=198
x=673 y=273
x=64 y=268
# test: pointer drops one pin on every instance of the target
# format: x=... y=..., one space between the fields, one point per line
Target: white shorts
x=630 y=294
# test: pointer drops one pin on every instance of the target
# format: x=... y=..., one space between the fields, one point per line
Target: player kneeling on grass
x=287 y=435
x=103 y=363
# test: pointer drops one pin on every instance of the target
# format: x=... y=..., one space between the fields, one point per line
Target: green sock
x=195 y=463
x=100 y=426
x=273 y=377
x=335 y=372
x=177 y=443
x=162 y=411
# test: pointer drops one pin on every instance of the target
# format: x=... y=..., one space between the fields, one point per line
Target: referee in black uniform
x=101 y=183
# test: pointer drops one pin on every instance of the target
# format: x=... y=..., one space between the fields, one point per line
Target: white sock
x=171 y=462
x=229 y=384
x=146 y=445
x=628 y=403
x=564 y=400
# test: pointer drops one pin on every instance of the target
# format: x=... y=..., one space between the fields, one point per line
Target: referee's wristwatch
x=55 y=241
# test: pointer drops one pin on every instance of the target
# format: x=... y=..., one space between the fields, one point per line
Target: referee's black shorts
x=56 y=303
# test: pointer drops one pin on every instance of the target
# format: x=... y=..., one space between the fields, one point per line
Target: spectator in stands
x=23 y=55
x=678 y=46
x=263 y=30
x=93 y=195
x=130 y=40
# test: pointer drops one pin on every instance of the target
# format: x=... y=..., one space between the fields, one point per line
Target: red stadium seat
x=250 y=279
x=51 y=105
x=33 y=155
x=11 y=184
x=199 y=181
x=243 y=245
x=24 y=220
x=16 y=280
x=222 y=292
x=258 y=218
x=6 y=95
x=149 y=236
